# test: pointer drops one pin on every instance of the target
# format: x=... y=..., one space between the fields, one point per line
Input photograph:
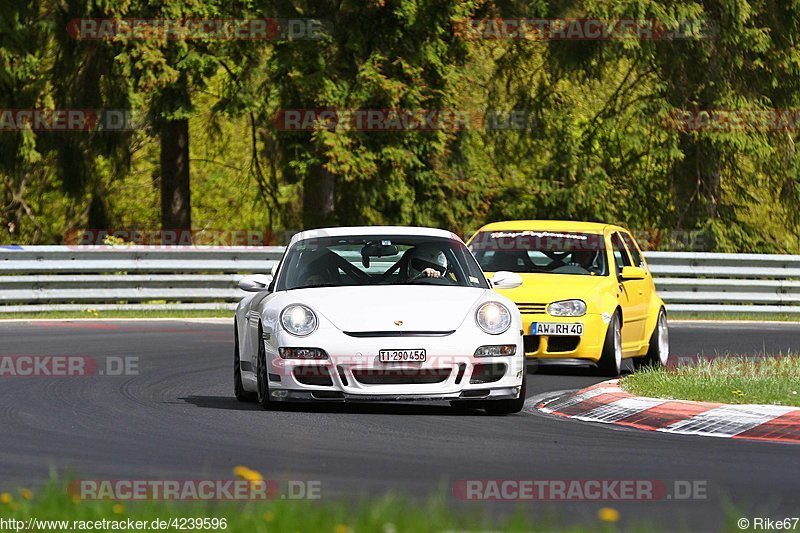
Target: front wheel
x=610 y=363
x=508 y=407
x=658 y=351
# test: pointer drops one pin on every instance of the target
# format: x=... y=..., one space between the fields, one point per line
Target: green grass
x=385 y=514
x=736 y=380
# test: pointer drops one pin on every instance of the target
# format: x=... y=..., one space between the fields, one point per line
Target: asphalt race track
x=177 y=419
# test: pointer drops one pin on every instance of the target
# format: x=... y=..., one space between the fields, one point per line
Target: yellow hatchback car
x=587 y=296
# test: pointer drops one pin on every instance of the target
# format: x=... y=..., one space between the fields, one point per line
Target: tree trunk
x=176 y=212
x=318 y=198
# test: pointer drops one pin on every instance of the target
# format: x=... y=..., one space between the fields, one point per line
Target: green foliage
x=597 y=146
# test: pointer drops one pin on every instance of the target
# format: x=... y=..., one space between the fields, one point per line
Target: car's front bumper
x=353 y=371
x=566 y=350
x=305 y=395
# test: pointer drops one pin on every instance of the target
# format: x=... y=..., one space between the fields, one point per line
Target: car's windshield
x=379 y=260
x=548 y=252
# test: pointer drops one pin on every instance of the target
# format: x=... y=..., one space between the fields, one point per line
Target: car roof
x=551 y=225
x=345 y=231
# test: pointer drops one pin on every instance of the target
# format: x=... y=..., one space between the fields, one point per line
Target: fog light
x=496 y=351
x=302 y=353
x=280 y=393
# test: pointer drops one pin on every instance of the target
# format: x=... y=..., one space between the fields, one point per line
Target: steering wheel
x=417 y=276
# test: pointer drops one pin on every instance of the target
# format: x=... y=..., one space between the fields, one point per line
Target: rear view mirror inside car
x=377 y=249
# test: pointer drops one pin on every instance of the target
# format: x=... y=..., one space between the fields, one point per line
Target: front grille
x=529 y=309
x=460 y=375
x=313 y=375
x=487 y=373
x=530 y=343
x=562 y=344
x=402 y=376
x=342 y=375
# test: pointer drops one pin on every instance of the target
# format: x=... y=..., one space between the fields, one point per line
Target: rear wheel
x=658 y=352
x=238 y=389
x=262 y=374
x=507 y=407
x=610 y=362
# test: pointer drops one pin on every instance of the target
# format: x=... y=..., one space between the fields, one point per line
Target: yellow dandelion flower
x=269 y=516
x=246 y=473
x=342 y=528
x=608 y=514
x=737 y=392
x=5 y=498
x=26 y=494
x=118 y=508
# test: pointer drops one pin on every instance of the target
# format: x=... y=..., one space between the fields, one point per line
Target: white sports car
x=379 y=314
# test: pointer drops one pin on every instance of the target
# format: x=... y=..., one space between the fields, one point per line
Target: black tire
x=610 y=362
x=508 y=407
x=658 y=351
x=262 y=375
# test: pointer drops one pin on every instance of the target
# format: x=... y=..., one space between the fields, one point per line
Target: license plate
x=556 y=329
x=388 y=356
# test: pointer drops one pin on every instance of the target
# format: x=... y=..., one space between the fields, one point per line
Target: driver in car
x=584 y=259
x=426 y=260
x=317 y=273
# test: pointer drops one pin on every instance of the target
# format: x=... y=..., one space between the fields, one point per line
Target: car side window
x=621 y=258
x=636 y=255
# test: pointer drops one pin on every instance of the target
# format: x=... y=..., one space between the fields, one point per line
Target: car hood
x=547 y=288
x=420 y=307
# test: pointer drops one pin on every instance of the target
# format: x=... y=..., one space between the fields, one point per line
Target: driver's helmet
x=426 y=256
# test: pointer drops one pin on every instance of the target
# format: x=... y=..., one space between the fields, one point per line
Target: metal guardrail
x=64 y=278
x=703 y=282
x=80 y=278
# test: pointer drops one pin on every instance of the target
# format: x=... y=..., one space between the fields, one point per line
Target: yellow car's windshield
x=545 y=252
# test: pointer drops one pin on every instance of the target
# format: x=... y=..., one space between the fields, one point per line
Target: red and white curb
x=607 y=403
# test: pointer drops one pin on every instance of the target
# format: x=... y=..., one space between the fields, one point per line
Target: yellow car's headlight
x=567 y=308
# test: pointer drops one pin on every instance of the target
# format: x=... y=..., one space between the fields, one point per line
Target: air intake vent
x=367 y=334
x=402 y=376
x=529 y=309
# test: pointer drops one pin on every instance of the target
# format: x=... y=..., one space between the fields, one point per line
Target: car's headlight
x=567 y=308
x=493 y=318
x=299 y=320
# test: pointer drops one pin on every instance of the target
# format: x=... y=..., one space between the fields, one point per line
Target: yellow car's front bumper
x=551 y=347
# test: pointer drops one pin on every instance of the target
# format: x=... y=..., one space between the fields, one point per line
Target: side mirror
x=632 y=272
x=506 y=280
x=255 y=282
